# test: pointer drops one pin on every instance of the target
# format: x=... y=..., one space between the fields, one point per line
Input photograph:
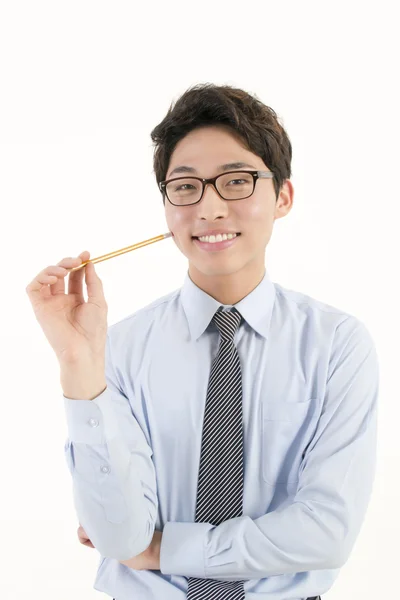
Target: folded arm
x=319 y=528
x=113 y=475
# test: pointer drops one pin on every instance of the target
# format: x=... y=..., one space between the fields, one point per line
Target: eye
x=242 y=180
x=180 y=187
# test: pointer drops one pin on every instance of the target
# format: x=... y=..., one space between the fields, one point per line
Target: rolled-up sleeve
x=319 y=528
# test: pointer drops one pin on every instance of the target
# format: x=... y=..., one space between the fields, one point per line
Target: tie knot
x=227 y=323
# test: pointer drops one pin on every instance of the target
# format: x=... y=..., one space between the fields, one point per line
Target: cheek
x=252 y=218
x=257 y=223
x=257 y=211
x=178 y=224
x=259 y=214
x=179 y=230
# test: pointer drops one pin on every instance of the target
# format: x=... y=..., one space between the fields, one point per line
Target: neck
x=228 y=288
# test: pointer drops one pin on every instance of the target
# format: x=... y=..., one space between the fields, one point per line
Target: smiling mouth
x=196 y=238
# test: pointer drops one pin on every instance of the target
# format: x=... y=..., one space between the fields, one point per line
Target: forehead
x=207 y=148
x=209 y=135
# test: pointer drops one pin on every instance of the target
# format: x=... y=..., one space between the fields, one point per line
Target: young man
x=232 y=454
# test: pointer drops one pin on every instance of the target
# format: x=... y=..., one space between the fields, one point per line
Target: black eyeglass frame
x=256 y=175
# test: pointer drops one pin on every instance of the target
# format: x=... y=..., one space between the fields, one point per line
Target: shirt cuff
x=91 y=421
x=182 y=549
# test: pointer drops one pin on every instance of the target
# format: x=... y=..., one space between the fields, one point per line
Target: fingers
x=51 y=279
x=94 y=286
x=75 y=281
x=46 y=277
x=82 y=535
x=83 y=538
x=58 y=287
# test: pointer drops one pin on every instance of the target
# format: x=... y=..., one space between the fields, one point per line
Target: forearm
x=150 y=558
x=83 y=380
x=113 y=474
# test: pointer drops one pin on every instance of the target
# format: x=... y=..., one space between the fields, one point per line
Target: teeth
x=212 y=239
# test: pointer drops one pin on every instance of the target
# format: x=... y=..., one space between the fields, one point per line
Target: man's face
x=205 y=149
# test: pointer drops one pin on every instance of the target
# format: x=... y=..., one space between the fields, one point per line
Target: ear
x=284 y=202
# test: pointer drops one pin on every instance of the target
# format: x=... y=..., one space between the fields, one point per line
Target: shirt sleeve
x=319 y=528
x=113 y=475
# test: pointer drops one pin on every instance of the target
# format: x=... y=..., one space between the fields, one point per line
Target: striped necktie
x=220 y=483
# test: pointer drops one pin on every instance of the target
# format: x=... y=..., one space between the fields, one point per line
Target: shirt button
x=93 y=422
x=105 y=469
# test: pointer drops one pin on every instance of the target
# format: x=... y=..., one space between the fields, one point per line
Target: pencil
x=158 y=238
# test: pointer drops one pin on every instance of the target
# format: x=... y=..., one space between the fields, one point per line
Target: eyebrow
x=226 y=167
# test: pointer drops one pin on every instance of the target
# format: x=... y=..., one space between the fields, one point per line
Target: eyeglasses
x=232 y=185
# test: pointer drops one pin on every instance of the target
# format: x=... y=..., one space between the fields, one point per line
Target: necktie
x=220 y=482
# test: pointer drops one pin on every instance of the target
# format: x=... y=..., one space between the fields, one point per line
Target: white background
x=82 y=85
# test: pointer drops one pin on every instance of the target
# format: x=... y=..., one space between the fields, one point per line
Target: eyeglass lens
x=231 y=186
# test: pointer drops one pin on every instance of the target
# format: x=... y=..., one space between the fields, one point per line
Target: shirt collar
x=255 y=308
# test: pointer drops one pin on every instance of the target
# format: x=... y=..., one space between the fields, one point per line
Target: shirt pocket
x=286 y=430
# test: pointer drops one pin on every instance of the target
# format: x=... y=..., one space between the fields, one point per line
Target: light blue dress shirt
x=310 y=388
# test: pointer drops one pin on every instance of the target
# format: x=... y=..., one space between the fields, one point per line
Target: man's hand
x=83 y=538
x=149 y=559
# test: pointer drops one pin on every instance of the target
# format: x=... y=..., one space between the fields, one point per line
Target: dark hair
x=255 y=123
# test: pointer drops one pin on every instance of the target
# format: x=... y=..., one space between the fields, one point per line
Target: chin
x=216 y=270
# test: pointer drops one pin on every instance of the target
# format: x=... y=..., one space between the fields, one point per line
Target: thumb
x=94 y=285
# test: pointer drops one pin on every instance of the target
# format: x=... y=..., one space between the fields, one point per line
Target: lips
x=196 y=237
x=216 y=247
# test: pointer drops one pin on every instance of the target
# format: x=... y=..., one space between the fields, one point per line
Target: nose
x=212 y=205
